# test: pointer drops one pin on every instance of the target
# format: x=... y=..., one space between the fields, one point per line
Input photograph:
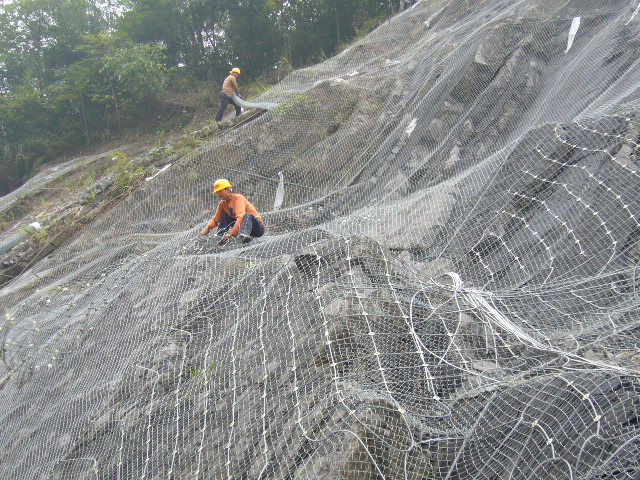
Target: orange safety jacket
x=236 y=208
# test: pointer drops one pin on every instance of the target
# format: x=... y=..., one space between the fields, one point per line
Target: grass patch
x=75 y=181
x=187 y=143
x=5 y=220
x=198 y=372
x=298 y=104
x=128 y=172
x=199 y=377
x=42 y=234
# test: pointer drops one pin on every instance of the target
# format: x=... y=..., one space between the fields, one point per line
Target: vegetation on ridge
x=79 y=72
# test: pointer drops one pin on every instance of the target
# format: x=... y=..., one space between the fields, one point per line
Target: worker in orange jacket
x=235 y=215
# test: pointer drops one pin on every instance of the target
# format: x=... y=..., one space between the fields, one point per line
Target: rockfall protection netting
x=449 y=289
x=44 y=179
x=246 y=105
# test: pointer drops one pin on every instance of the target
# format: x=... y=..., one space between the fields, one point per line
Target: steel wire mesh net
x=449 y=289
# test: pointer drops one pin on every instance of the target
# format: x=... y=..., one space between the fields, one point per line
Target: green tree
x=73 y=71
x=38 y=38
x=116 y=84
x=24 y=122
x=191 y=30
x=314 y=29
x=252 y=34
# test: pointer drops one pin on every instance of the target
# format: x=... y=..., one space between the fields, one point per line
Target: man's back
x=230 y=86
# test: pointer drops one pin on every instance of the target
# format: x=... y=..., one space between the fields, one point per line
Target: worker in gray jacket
x=229 y=87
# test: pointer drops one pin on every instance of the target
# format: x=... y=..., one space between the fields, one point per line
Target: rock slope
x=449 y=289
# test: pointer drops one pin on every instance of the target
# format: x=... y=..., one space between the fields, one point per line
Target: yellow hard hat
x=221 y=184
x=236 y=70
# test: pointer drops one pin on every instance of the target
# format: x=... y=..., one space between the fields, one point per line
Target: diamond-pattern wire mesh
x=450 y=289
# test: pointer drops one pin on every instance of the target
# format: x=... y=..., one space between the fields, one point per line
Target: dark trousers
x=250 y=225
x=224 y=102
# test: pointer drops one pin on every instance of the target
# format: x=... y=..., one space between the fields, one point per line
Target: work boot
x=245 y=238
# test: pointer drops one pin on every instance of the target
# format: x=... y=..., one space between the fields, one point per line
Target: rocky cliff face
x=449 y=289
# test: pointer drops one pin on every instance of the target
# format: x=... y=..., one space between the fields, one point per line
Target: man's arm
x=213 y=222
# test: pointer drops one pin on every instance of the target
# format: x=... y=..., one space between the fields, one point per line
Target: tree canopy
x=75 y=71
